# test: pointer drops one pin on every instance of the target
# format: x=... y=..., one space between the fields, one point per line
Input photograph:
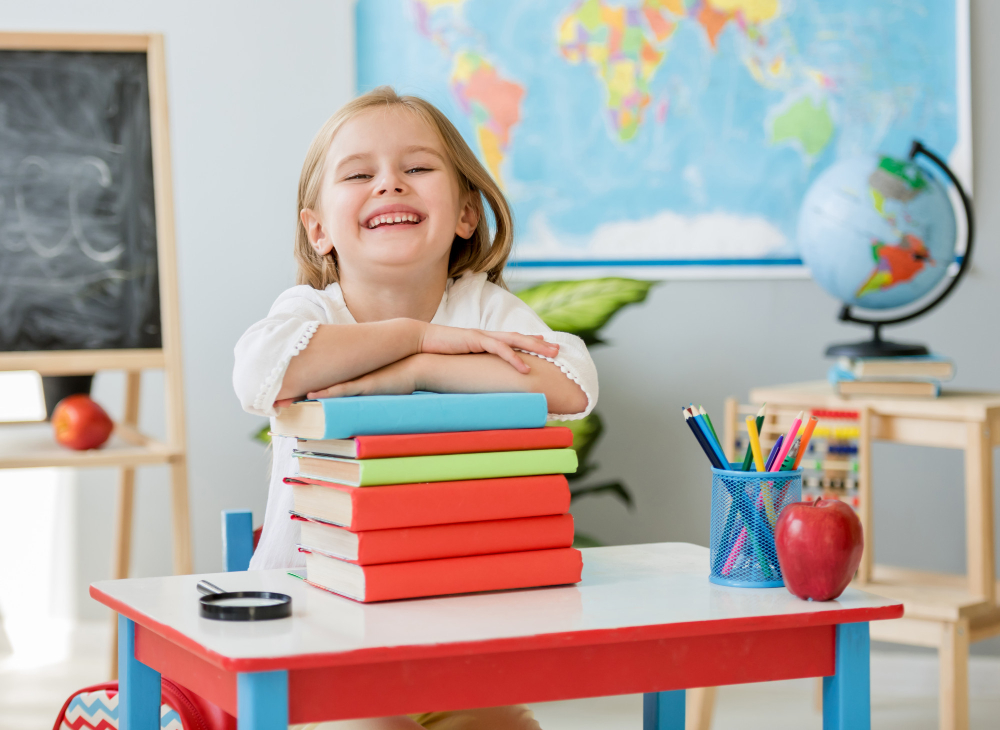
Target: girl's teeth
x=383 y=220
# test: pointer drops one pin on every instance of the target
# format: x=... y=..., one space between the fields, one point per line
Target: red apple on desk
x=79 y=423
x=819 y=547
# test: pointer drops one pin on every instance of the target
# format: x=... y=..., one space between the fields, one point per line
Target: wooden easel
x=24 y=445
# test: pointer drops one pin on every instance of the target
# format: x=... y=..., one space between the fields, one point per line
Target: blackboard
x=78 y=249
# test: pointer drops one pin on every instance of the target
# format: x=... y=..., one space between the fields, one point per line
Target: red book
x=426 y=444
x=430 y=503
x=472 y=574
x=404 y=544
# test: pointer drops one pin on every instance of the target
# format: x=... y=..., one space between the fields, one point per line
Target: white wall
x=248 y=88
x=249 y=85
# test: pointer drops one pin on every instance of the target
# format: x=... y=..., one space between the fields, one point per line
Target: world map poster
x=669 y=138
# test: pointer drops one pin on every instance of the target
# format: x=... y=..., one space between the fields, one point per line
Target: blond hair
x=480 y=252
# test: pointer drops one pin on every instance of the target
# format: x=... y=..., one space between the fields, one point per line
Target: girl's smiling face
x=390 y=196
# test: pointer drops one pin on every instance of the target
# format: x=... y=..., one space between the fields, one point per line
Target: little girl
x=400 y=288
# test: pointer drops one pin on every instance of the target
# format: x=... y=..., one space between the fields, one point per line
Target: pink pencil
x=792 y=433
x=741 y=540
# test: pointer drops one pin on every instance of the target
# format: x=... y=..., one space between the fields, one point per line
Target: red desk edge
x=518 y=643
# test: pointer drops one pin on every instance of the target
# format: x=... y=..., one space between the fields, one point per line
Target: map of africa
x=665 y=133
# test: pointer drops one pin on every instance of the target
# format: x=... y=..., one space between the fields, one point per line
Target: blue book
x=375 y=415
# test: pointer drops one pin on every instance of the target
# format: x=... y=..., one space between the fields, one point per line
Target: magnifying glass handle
x=208 y=588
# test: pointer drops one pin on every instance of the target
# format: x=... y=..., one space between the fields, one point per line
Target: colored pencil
x=702 y=412
x=702 y=441
x=788 y=463
x=806 y=435
x=774 y=453
x=787 y=443
x=748 y=458
x=753 y=447
x=735 y=552
x=712 y=441
x=725 y=540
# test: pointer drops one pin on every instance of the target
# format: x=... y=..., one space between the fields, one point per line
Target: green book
x=436 y=468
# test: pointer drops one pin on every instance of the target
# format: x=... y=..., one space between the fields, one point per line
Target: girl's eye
x=358 y=176
x=419 y=169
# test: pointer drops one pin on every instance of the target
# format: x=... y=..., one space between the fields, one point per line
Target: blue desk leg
x=262 y=701
x=847 y=701
x=138 y=685
x=663 y=710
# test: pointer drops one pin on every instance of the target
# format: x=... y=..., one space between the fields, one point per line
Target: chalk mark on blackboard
x=75 y=230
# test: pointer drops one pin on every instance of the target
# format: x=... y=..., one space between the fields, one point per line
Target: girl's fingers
x=530 y=343
x=501 y=350
x=337 y=391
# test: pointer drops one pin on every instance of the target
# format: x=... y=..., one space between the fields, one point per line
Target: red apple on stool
x=819 y=547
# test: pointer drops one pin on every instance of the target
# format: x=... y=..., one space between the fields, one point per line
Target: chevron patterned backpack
x=96 y=708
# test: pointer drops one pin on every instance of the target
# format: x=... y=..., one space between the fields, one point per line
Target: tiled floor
x=903 y=695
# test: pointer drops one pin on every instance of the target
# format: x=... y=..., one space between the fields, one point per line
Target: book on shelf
x=430 y=542
x=446 y=576
x=343 y=418
x=893 y=388
x=435 y=468
x=846 y=384
x=427 y=444
x=431 y=503
x=928 y=367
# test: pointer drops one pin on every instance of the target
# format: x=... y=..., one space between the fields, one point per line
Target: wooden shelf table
x=943 y=611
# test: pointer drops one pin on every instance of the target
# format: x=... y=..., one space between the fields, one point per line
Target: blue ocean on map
x=664 y=131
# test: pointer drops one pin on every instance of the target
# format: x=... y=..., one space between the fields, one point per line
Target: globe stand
x=876 y=346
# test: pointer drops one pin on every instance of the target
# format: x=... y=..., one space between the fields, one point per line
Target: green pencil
x=748 y=459
x=708 y=420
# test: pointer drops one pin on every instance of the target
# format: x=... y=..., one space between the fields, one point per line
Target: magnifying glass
x=221 y=605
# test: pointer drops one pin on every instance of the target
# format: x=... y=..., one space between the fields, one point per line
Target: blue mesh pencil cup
x=745 y=508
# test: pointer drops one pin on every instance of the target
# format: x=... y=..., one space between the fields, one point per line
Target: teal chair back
x=237 y=539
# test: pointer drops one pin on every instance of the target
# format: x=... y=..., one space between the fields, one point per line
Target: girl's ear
x=469 y=218
x=318 y=238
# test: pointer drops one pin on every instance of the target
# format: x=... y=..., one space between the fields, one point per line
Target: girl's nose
x=390 y=181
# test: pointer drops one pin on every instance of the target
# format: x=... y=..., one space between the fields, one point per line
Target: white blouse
x=264 y=351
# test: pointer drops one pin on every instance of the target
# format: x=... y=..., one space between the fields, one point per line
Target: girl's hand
x=442 y=340
x=399 y=378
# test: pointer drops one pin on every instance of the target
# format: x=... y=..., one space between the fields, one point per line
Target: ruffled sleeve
x=502 y=311
x=265 y=350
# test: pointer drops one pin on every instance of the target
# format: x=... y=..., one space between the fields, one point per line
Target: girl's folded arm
x=340 y=352
x=291 y=350
x=489 y=374
x=471 y=373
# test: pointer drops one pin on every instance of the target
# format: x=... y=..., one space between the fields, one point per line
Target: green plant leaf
x=616 y=489
x=263 y=434
x=586 y=432
x=582 y=472
x=583 y=307
x=580 y=540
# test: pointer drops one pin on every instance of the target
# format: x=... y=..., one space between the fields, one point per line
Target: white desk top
x=627 y=592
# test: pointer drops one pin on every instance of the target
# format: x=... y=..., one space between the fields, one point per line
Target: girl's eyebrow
x=351 y=158
x=429 y=150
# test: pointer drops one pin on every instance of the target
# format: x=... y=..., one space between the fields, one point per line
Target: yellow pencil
x=758 y=460
x=758 y=457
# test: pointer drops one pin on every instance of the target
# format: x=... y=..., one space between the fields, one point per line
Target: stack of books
x=891 y=376
x=403 y=496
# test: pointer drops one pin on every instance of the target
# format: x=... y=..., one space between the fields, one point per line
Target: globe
x=877 y=232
